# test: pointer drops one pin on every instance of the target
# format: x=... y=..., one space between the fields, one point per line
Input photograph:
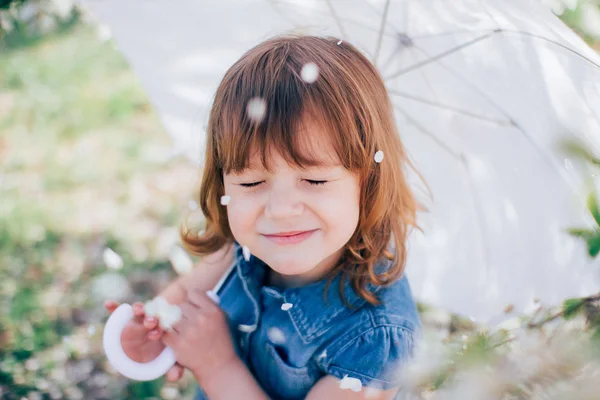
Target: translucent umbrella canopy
x=484 y=91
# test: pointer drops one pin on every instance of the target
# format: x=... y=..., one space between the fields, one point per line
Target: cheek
x=241 y=213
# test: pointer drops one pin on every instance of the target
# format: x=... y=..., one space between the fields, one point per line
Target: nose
x=284 y=202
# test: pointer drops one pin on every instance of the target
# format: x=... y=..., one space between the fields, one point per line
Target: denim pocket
x=282 y=380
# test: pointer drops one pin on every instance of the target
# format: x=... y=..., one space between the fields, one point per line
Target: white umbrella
x=484 y=91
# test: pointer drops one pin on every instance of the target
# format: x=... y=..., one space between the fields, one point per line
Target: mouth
x=293 y=237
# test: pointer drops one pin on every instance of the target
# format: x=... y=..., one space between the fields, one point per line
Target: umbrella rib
x=461 y=158
x=324 y=13
x=512 y=121
x=451 y=33
x=442 y=55
x=484 y=7
x=337 y=19
x=426 y=131
x=381 y=29
x=533 y=35
x=450 y=108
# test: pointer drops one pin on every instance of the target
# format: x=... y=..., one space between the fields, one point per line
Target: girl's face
x=322 y=201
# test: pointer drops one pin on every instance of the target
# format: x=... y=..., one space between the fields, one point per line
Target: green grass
x=82 y=157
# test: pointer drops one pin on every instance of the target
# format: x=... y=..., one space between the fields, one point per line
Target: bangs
x=269 y=109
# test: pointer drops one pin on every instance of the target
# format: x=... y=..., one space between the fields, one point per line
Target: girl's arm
x=232 y=381
x=328 y=387
x=204 y=276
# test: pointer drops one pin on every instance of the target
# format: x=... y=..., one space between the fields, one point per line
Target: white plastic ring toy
x=121 y=362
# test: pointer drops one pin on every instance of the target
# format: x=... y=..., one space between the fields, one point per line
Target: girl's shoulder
x=372 y=342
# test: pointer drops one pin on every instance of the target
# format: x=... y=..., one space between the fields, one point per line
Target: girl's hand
x=140 y=338
x=201 y=340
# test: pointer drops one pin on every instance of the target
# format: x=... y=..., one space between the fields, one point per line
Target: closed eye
x=253 y=184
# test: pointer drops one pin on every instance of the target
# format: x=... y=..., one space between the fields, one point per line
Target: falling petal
x=170 y=393
x=246 y=252
x=181 y=261
x=256 y=109
x=351 y=383
x=340 y=42
x=276 y=336
x=379 y=156
x=286 y=306
x=193 y=205
x=225 y=200
x=310 y=72
x=246 y=328
x=112 y=259
x=91 y=330
x=322 y=355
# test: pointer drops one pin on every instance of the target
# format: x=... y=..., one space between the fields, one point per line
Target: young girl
x=304 y=188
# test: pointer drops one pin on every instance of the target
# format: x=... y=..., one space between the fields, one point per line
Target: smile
x=290 y=239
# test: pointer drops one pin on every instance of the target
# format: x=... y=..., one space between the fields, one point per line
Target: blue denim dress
x=288 y=351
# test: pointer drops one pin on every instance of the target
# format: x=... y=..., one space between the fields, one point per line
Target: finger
x=138 y=312
x=150 y=322
x=155 y=334
x=175 y=373
x=189 y=311
x=111 y=305
x=169 y=338
x=200 y=299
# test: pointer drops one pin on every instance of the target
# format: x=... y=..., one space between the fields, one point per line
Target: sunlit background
x=92 y=193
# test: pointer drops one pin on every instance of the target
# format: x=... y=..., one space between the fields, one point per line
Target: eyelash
x=254 y=184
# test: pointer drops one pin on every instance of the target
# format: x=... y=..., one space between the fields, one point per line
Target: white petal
x=322 y=355
x=246 y=328
x=276 y=336
x=193 y=205
x=379 y=156
x=112 y=259
x=256 y=109
x=340 y=42
x=310 y=72
x=351 y=383
x=225 y=200
x=286 y=306
x=181 y=261
x=169 y=316
x=246 y=252
x=151 y=308
x=161 y=302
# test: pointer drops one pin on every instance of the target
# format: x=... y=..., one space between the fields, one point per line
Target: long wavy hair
x=350 y=100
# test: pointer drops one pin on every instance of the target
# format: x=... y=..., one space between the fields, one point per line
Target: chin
x=291 y=265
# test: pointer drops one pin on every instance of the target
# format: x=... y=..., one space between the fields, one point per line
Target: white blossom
x=379 y=156
x=353 y=384
x=286 y=306
x=310 y=72
x=246 y=328
x=276 y=336
x=256 y=109
x=181 y=261
x=225 y=200
x=167 y=314
x=246 y=252
x=112 y=259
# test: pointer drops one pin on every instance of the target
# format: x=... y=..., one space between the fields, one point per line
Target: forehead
x=313 y=142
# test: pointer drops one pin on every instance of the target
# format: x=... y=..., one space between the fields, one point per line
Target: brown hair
x=350 y=100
